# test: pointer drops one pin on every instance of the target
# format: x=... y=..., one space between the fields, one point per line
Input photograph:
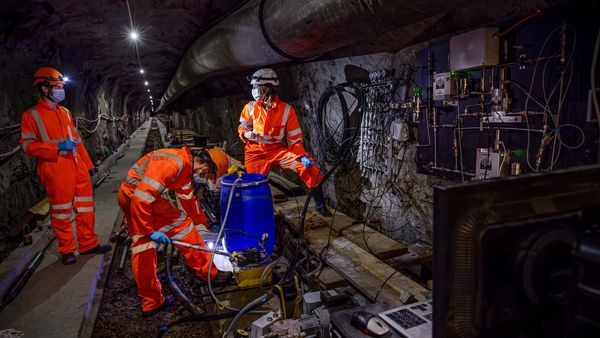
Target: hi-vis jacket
x=151 y=175
x=275 y=128
x=42 y=129
x=64 y=174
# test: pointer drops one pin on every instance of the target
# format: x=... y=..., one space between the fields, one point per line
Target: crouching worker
x=153 y=219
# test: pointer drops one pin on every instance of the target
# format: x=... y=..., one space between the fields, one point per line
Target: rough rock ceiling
x=90 y=37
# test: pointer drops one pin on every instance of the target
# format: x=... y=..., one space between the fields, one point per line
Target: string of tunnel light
x=135 y=37
x=14 y=129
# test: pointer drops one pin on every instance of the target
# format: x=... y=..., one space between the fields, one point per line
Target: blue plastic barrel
x=250 y=214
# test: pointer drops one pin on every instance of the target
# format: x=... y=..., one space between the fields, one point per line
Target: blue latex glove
x=160 y=237
x=66 y=145
x=306 y=161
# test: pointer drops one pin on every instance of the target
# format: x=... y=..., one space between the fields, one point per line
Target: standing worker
x=63 y=165
x=269 y=128
x=152 y=218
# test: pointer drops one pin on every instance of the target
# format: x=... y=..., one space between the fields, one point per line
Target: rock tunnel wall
x=404 y=213
x=405 y=210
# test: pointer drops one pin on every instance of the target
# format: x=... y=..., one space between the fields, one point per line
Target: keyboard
x=412 y=321
x=406 y=318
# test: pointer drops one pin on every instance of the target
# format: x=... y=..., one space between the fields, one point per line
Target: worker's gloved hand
x=250 y=135
x=160 y=237
x=201 y=228
x=306 y=161
x=66 y=145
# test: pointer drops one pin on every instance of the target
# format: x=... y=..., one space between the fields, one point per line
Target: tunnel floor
x=119 y=314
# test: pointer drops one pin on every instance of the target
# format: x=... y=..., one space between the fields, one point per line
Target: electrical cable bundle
x=333 y=136
x=551 y=115
x=6 y=132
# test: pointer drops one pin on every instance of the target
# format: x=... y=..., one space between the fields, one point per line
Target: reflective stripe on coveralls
x=271 y=149
x=143 y=247
x=65 y=180
x=142 y=184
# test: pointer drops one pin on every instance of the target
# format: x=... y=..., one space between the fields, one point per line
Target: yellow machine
x=251 y=268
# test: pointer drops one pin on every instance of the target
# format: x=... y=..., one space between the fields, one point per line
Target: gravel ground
x=120 y=310
x=120 y=313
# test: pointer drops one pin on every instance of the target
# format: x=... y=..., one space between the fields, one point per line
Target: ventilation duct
x=264 y=32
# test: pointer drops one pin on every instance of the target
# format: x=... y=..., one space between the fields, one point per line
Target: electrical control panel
x=474 y=49
x=490 y=163
x=444 y=87
x=505 y=101
x=469 y=114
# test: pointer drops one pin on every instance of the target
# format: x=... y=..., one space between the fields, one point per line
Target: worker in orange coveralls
x=269 y=128
x=153 y=219
x=63 y=164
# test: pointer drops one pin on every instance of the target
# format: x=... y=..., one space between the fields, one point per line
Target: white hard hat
x=264 y=76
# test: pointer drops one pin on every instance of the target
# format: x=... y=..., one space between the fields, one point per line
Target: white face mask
x=57 y=95
x=255 y=94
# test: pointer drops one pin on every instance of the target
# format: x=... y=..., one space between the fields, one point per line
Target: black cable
x=247 y=308
x=384 y=283
x=342 y=152
x=9 y=134
x=328 y=143
x=271 y=43
x=407 y=79
x=187 y=303
x=195 y=318
x=324 y=131
x=387 y=189
x=326 y=247
x=326 y=137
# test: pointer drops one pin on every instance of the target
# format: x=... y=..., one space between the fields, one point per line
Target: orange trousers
x=68 y=187
x=259 y=159
x=175 y=224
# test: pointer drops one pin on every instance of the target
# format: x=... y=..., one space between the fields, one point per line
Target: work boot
x=168 y=301
x=223 y=277
x=98 y=249
x=69 y=258
x=317 y=194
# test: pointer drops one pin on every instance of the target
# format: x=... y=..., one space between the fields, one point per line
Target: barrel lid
x=247 y=180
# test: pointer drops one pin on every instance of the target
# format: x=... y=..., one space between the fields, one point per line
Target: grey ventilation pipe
x=264 y=32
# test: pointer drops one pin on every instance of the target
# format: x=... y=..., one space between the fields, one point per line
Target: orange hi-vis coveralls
x=279 y=140
x=147 y=211
x=65 y=175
